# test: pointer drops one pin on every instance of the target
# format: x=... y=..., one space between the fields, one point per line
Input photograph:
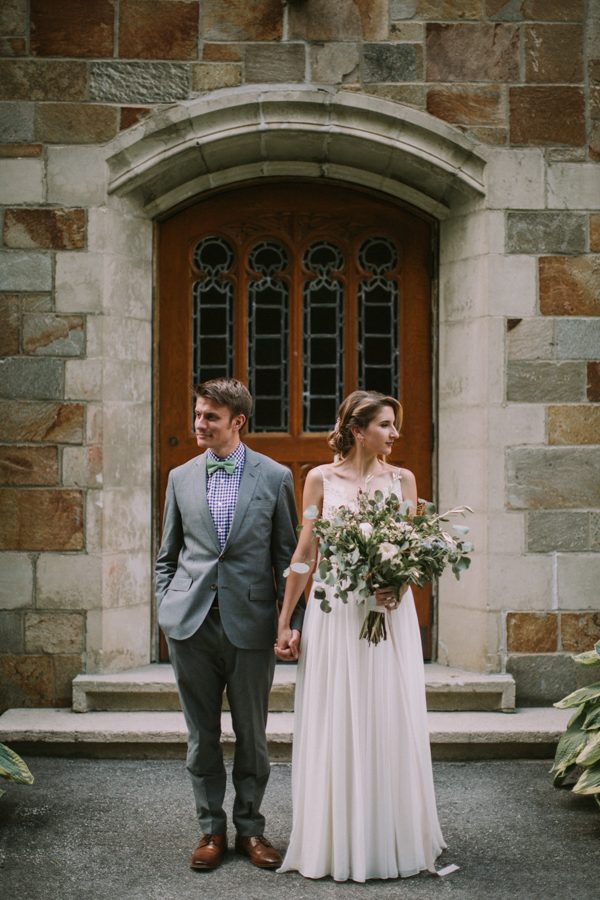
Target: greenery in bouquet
x=577 y=760
x=379 y=544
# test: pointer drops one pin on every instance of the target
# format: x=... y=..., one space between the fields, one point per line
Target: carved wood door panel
x=304 y=292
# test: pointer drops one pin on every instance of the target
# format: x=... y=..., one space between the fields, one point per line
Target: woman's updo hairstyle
x=357 y=411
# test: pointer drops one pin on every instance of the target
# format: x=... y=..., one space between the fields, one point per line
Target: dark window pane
x=322 y=413
x=380 y=380
x=213 y=321
x=324 y=380
x=378 y=320
x=267 y=352
x=213 y=351
x=323 y=350
x=267 y=382
x=267 y=415
x=378 y=350
x=323 y=320
x=267 y=320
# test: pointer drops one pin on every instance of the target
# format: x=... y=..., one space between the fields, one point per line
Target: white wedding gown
x=362 y=784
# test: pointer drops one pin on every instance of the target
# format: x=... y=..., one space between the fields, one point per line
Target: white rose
x=366 y=529
x=387 y=551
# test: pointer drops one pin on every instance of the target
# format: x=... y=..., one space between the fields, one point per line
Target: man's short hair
x=227 y=392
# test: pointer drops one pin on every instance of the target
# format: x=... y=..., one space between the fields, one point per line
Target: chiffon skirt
x=362 y=786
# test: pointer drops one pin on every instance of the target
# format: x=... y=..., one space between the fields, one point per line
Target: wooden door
x=305 y=292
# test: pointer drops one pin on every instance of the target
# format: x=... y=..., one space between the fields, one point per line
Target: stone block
x=402 y=9
x=333 y=63
x=472 y=52
x=75 y=123
x=139 y=82
x=52 y=335
x=211 y=76
x=545 y=382
x=344 y=20
x=16 y=581
x=577 y=338
x=82 y=467
x=516 y=423
x=11 y=629
x=131 y=115
x=410 y=94
x=274 y=63
x=39 y=519
x=125 y=576
x=109 y=229
x=530 y=338
x=158 y=29
x=574 y=424
x=10 y=325
x=127 y=380
x=593 y=382
x=578 y=579
x=76 y=176
x=83 y=379
x=66 y=668
x=239 y=20
x=21 y=181
x=16 y=121
x=10 y=46
x=520 y=583
x=69 y=581
x=79 y=282
x=56 y=229
x=25 y=271
x=127 y=513
x=28 y=465
x=34 y=79
x=31 y=379
x=20 y=151
x=408 y=32
x=33 y=421
x=547 y=115
x=118 y=638
x=26 y=681
x=569 y=286
x=529 y=632
x=515 y=179
x=595 y=531
x=553 y=478
x=512 y=285
x=549 y=531
x=61 y=28
x=54 y=632
x=221 y=52
x=13 y=17
x=595 y=233
x=554 y=54
x=129 y=340
x=573 y=186
x=542 y=679
x=548 y=10
x=579 y=631
x=466 y=104
x=545 y=232
x=447 y=10
x=389 y=62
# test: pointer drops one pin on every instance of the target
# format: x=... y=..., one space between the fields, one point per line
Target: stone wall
x=519 y=372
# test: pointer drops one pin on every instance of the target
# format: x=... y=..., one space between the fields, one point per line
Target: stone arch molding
x=253 y=132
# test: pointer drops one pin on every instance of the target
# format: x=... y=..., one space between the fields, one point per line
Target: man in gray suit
x=228 y=535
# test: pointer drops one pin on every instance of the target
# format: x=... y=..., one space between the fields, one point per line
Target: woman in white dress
x=362 y=784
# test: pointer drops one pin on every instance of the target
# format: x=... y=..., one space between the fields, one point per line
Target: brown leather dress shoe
x=210 y=851
x=259 y=850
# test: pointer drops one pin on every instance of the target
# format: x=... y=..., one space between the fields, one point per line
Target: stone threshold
x=529 y=733
x=153 y=688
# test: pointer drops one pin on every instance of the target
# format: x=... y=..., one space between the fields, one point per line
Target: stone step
x=153 y=688
x=529 y=733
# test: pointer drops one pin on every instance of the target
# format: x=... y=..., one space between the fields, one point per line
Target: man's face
x=216 y=428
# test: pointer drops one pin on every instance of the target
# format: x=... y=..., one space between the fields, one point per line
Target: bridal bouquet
x=380 y=545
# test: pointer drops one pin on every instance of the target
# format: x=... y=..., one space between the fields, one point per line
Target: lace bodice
x=339 y=492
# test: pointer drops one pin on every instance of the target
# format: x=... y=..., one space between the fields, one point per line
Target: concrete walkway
x=123 y=830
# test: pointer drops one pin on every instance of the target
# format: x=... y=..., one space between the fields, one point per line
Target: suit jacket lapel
x=247 y=488
x=199 y=499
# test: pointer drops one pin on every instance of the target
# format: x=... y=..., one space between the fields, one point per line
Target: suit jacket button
x=214 y=587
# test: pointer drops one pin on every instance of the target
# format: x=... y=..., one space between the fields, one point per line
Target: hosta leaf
x=569 y=747
x=589 y=658
x=567 y=778
x=590 y=753
x=13 y=767
x=591 y=692
x=589 y=783
x=576 y=715
x=592 y=721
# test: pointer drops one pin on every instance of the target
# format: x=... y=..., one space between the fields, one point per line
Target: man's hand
x=287 y=645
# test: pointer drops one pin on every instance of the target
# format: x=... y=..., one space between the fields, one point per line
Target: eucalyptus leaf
x=325 y=606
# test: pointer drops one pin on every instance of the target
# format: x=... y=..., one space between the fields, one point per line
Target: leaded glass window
x=322 y=336
x=378 y=314
x=212 y=310
x=268 y=336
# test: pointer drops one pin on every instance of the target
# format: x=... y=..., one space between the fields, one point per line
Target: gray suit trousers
x=206 y=664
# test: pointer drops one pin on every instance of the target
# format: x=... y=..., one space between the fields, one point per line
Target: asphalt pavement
x=124 y=829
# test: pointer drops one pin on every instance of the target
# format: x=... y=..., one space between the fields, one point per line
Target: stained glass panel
x=212 y=310
x=378 y=316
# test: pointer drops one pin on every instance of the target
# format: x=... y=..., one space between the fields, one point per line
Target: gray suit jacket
x=247 y=574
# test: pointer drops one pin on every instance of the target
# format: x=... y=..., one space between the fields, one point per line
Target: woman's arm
x=288 y=641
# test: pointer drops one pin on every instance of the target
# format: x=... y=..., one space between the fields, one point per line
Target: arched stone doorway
x=247 y=135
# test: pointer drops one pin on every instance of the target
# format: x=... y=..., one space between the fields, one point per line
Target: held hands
x=287 y=645
x=390 y=597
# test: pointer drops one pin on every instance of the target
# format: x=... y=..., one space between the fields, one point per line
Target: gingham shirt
x=222 y=492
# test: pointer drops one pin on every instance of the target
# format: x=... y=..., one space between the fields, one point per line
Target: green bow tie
x=228 y=465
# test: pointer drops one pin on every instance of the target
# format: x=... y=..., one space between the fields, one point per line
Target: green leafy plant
x=577 y=760
x=13 y=767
